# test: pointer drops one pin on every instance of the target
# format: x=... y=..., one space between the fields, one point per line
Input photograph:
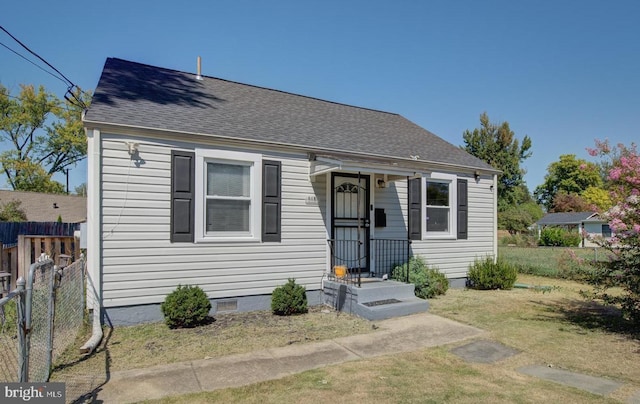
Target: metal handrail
x=386 y=253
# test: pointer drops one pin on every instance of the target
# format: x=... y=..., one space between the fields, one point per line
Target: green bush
x=428 y=281
x=559 y=237
x=186 y=307
x=289 y=299
x=487 y=274
x=519 y=240
x=9 y=320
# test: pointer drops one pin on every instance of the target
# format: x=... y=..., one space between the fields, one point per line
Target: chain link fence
x=9 y=342
x=41 y=319
x=40 y=308
x=69 y=306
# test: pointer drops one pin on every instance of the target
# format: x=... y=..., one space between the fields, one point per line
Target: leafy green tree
x=597 y=198
x=497 y=145
x=30 y=176
x=81 y=189
x=43 y=135
x=569 y=174
x=565 y=202
x=11 y=212
x=518 y=218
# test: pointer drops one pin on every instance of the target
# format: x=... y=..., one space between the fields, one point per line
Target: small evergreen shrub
x=487 y=274
x=429 y=282
x=559 y=237
x=289 y=299
x=186 y=307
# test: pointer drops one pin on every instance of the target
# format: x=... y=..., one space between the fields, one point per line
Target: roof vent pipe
x=198 y=76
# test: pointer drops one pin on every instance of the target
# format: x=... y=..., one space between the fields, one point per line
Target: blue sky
x=561 y=72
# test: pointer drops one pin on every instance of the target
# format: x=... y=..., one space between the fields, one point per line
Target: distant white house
x=590 y=224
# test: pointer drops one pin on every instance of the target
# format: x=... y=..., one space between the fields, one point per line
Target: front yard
x=556 y=328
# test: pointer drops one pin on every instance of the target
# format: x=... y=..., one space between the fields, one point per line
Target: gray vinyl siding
x=393 y=199
x=140 y=265
x=453 y=257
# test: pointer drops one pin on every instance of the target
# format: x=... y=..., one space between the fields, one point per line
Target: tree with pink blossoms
x=622 y=166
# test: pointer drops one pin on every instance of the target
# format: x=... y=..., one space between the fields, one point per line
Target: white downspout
x=495 y=217
x=94 y=253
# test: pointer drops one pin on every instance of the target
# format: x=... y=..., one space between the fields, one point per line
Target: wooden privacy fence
x=16 y=260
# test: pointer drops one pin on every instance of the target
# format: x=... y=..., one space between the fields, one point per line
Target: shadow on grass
x=89 y=394
x=84 y=375
x=592 y=315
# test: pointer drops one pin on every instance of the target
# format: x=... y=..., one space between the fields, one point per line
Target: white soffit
x=324 y=165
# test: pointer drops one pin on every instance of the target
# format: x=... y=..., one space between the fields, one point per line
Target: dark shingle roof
x=41 y=207
x=567 y=218
x=133 y=94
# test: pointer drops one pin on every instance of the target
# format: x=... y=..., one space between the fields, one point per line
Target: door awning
x=327 y=164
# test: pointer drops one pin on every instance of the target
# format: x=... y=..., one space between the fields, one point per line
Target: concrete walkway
x=396 y=335
x=403 y=334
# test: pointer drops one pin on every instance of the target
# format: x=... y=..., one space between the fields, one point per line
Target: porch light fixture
x=132 y=148
x=476 y=175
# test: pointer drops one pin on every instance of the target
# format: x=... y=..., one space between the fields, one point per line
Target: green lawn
x=556 y=328
x=556 y=262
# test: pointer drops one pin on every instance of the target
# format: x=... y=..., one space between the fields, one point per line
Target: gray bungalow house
x=590 y=224
x=236 y=188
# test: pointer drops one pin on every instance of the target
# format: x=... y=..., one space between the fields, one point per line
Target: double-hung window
x=228 y=195
x=439 y=198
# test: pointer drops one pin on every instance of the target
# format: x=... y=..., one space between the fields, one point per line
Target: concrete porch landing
x=375 y=299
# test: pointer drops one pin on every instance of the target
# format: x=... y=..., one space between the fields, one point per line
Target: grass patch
x=553 y=328
x=152 y=344
x=557 y=328
x=554 y=262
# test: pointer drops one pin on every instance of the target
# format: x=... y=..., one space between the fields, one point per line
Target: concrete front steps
x=375 y=299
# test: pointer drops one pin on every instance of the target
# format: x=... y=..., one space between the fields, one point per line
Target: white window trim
x=255 y=219
x=451 y=179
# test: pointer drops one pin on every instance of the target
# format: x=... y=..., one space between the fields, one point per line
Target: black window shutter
x=182 y=196
x=463 y=209
x=415 y=208
x=271 y=200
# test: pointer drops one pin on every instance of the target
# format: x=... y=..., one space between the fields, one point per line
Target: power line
x=36 y=55
x=71 y=85
x=33 y=63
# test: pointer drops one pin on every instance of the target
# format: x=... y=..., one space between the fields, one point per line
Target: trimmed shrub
x=487 y=274
x=289 y=299
x=186 y=307
x=559 y=237
x=428 y=281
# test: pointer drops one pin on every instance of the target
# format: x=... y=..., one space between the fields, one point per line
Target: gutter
x=96 y=334
x=129 y=130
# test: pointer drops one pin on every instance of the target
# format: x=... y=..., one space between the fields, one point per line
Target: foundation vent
x=226 y=305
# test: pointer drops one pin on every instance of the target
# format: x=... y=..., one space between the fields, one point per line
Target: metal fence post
x=23 y=356
x=52 y=313
x=408 y=258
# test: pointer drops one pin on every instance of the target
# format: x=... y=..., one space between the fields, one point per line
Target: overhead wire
x=69 y=95
x=32 y=62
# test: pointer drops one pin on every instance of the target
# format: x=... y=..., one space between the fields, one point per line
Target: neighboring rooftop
x=41 y=207
x=551 y=219
x=135 y=95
